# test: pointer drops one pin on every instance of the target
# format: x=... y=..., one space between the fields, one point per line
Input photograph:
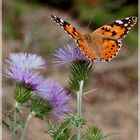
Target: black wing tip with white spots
x=126 y=22
x=133 y=18
x=57 y=20
x=51 y=16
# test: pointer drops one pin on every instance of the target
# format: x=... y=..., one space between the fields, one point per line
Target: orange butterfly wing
x=110 y=48
x=118 y=29
x=111 y=36
x=75 y=33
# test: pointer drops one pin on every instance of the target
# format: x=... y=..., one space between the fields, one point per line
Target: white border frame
x=138 y=72
x=0 y=69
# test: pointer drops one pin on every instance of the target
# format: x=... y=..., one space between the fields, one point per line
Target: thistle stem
x=79 y=107
x=16 y=106
x=26 y=125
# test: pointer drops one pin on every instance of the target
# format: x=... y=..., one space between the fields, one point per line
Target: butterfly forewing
x=71 y=30
x=118 y=29
x=76 y=34
x=111 y=36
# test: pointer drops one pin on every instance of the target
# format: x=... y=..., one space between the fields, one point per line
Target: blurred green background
x=27 y=28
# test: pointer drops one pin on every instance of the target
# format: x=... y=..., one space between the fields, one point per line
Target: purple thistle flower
x=68 y=54
x=57 y=97
x=26 y=61
x=26 y=77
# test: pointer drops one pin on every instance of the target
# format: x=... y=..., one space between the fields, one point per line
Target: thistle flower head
x=57 y=97
x=25 y=77
x=20 y=68
x=68 y=54
x=26 y=61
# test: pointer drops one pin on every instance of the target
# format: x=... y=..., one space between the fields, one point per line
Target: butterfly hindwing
x=109 y=49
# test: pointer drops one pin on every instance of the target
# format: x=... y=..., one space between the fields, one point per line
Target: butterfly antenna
x=90 y=22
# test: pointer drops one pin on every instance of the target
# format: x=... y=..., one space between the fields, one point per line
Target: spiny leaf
x=63 y=128
x=65 y=134
x=95 y=133
x=7 y=125
x=7 y=114
x=51 y=129
x=64 y=131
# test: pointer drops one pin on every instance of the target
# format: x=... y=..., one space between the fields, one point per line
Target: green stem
x=26 y=125
x=16 y=106
x=79 y=107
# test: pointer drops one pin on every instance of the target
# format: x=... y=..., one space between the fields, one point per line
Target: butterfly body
x=91 y=42
x=102 y=44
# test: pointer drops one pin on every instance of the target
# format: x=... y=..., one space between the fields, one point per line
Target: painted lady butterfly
x=104 y=43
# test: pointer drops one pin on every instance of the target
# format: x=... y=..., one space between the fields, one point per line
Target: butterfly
x=102 y=44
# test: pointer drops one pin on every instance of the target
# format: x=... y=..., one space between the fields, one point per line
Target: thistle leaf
x=95 y=133
x=64 y=131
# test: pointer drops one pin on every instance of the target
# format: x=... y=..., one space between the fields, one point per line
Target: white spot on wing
x=125 y=24
x=61 y=21
x=119 y=21
x=127 y=18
